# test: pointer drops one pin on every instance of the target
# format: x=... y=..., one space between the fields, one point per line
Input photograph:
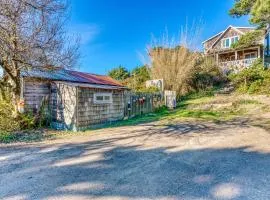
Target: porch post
x=259 y=52
x=235 y=55
x=217 y=58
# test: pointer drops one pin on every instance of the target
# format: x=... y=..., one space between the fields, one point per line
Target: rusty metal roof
x=60 y=74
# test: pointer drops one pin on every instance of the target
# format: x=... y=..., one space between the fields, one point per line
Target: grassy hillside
x=208 y=108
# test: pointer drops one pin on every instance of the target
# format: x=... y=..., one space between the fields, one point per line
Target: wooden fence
x=141 y=103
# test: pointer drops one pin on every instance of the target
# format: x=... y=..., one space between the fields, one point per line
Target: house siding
x=90 y=113
x=210 y=42
x=229 y=33
x=72 y=107
x=63 y=106
x=34 y=92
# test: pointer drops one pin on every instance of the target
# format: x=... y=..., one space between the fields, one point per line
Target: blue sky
x=116 y=32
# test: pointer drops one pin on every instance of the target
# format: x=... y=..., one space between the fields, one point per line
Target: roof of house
x=237 y=28
x=213 y=37
x=60 y=74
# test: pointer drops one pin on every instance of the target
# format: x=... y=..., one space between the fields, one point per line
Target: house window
x=227 y=42
x=234 y=40
x=250 y=55
x=102 y=98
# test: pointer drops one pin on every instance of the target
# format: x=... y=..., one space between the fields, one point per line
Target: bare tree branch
x=32 y=34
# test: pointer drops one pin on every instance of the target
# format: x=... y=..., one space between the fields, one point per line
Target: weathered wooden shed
x=75 y=100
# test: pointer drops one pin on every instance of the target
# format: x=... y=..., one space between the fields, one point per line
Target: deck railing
x=236 y=65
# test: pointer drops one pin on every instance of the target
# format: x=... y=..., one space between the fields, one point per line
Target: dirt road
x=187 y=160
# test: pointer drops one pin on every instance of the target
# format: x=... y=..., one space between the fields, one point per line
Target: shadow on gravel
x=101 y=169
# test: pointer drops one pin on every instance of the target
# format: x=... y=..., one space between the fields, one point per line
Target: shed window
x=103 y=98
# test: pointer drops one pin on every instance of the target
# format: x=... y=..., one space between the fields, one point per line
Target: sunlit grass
x=193 y=107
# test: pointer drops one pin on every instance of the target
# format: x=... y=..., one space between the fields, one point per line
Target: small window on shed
x=103 y=98
x=107 y=98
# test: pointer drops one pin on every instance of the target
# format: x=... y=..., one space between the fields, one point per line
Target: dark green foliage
x=119 y=73
x=11 y=127
x=259 y=11
x=207 y=75
x=241 y=7
x=137 y=80
x=198 y=95
x=253 y=80
x=7 y=122
x=249 y=39
x=142 y=73
x=143 y=89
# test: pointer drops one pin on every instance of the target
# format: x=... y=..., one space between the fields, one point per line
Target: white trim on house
x=230 y=41
x=103 y=98
x=230 y=50
x=223 y=35
x=249 y=53
x=212 y=37
x=235 y=28
x=246 y=27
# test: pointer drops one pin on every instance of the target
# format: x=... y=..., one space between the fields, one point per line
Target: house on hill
x=75 y=100
x=219 y=47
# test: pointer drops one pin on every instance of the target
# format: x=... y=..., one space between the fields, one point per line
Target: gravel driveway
x=189 y=160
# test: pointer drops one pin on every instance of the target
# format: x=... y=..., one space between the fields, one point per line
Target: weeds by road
x=206 y=108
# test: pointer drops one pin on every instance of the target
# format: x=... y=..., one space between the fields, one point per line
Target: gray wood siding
x=34 y=92
x=72 y=107
x=63 y=105
x=90 y=113
x=210 y=42
x=230 y=33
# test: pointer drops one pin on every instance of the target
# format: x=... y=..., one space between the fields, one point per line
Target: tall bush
x=139 y=76
x=7 y=122
x=252 y=80
x=119 y=73
x=183 y=70
x=207 y=74
x=180 y=64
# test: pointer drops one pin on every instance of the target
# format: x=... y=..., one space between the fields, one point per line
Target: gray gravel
x=184 y=161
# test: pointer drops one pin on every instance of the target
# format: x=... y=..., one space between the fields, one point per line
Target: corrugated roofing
x=70 y=76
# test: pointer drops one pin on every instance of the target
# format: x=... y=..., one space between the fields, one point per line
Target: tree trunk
x=17 y=96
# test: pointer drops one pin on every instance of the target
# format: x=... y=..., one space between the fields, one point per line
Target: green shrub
x=161 y=109
x=6 y=137
x=27 y=121
x=151 y=89
x=249 y=39
x=207 y=75
x=252 y=80
x=255 y=87
x=199 y=94
x=7 y=121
